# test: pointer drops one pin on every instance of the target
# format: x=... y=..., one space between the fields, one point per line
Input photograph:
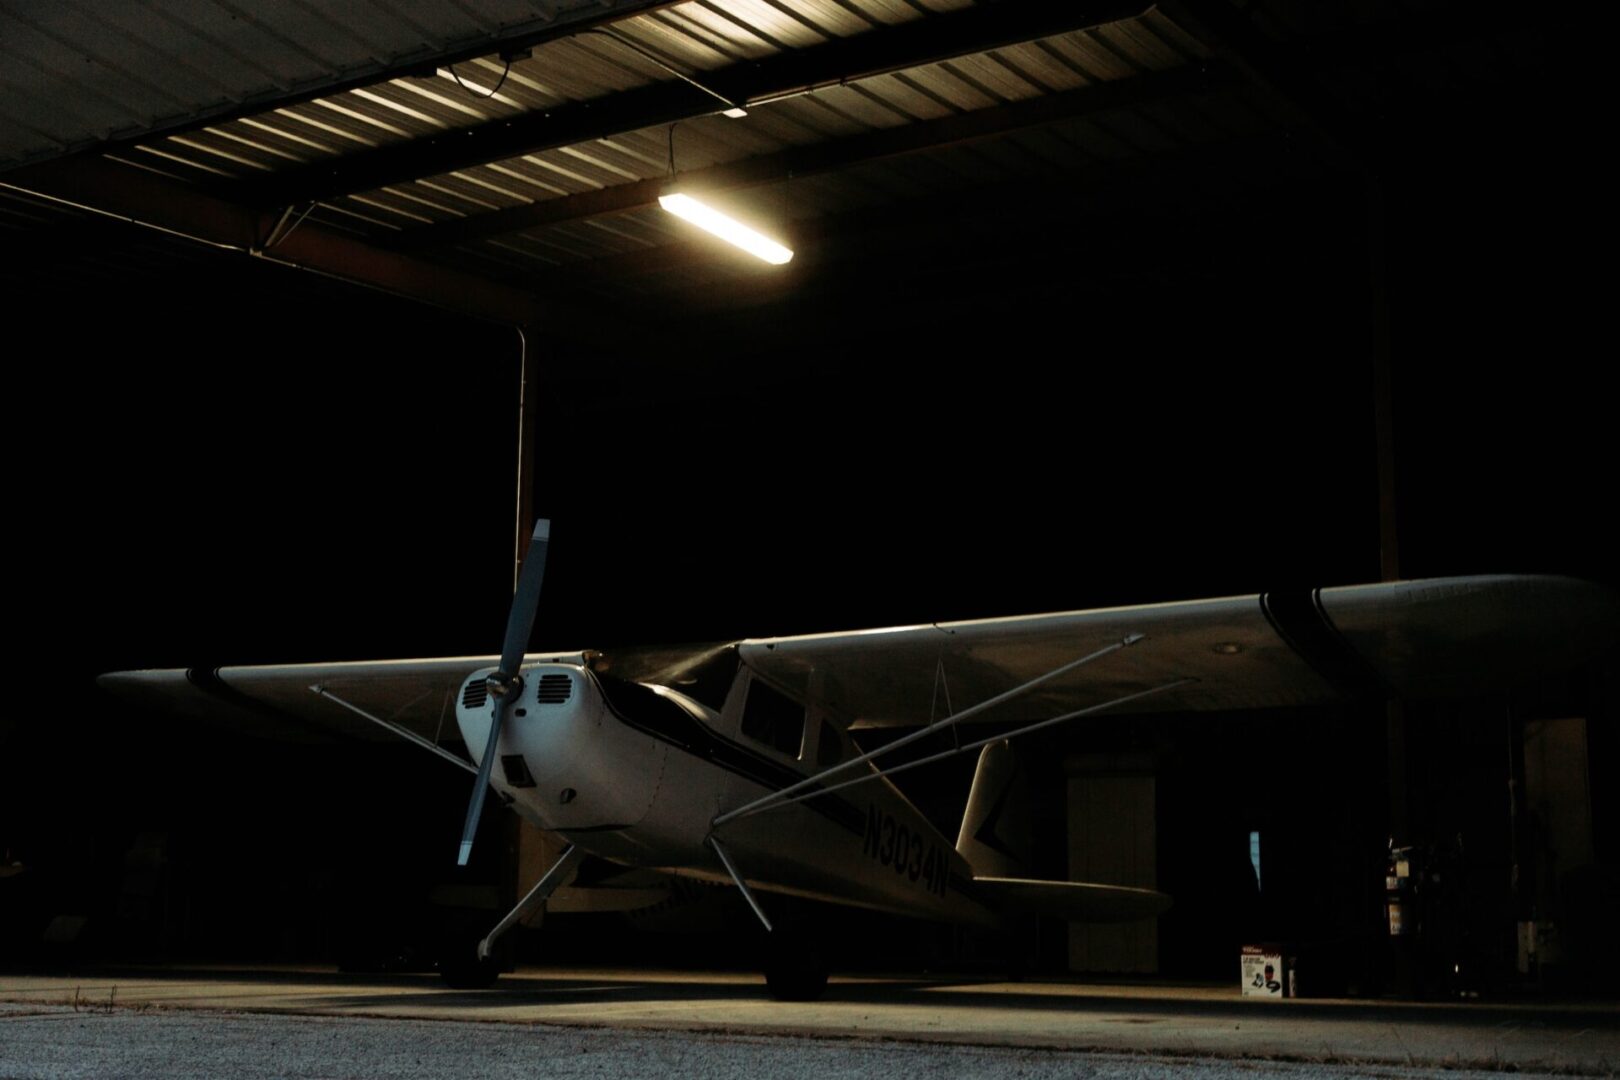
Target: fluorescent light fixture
x=736 y=112
x=732 y=232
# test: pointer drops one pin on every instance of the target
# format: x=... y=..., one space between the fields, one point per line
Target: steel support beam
x=829 y=156
x=146 y=198
x=1389 y=541
x=868 y=236
x=1231 y=34
x=143 y=199
x=876 y=52
x=528 y=429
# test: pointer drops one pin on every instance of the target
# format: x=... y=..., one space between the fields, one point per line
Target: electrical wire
x=492 y=93
x=652 y=58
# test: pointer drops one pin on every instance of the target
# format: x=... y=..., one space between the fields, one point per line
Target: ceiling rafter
x=876 y=52
x=1231 y=34
x=824 y=157
x=139 y=196
x=859 y=236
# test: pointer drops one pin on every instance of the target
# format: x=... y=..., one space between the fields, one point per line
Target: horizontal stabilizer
x=1075 y=901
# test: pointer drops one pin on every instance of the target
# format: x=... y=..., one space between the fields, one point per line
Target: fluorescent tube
x=732 y=232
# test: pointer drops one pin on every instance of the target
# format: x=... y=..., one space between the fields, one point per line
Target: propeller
x=506 y=683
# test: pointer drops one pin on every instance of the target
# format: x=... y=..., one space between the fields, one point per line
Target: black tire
x=796 y=984
x=465 y=971
x=795 y=972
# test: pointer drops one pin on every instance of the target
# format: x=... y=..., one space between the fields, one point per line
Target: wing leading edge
x=274 y=700
x=1412 y=639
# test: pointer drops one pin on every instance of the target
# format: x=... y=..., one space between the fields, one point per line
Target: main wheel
x=795 y=972
x=463 y=970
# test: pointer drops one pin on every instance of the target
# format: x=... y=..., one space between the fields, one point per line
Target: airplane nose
x=563 y=758
x=541 y=744
x=534 y=743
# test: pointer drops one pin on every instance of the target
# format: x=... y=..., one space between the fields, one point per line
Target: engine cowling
x=564 y=761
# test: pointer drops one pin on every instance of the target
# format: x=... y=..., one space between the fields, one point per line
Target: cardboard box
x=1262 y=971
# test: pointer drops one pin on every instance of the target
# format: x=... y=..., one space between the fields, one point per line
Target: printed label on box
x=1262 y=972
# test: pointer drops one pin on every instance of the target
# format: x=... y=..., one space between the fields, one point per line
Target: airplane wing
x=275 y=701
x=1412 y=639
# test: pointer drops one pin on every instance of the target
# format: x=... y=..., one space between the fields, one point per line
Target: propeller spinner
x=506 y=682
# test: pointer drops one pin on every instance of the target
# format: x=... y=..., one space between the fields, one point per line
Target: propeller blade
x=506 y=684
x=475 y=808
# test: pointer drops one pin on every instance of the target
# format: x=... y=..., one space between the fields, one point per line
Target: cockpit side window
x=774 y=719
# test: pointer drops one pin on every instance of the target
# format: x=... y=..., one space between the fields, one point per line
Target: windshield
x=703 y=673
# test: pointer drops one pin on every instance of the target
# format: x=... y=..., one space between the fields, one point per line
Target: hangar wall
x=1113 y=831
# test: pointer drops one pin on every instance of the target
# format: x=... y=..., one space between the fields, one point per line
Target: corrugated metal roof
x=689 y=36
x=1064 y=62
x=73 y=75
x=697 y=37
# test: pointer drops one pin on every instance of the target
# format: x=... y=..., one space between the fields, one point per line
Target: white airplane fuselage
x=636 y=773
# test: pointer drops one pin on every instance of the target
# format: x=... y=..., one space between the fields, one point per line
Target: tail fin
x=995 y=838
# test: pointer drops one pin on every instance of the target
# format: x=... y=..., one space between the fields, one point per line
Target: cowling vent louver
x=476 y=694
x=554 y=689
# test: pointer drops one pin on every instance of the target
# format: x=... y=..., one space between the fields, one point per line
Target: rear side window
x=774 y=719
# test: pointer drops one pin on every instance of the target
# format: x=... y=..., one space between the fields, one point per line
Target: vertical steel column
x=1389 y=551
x=527 y=416
x=1398 y=773
x=523 y=530
x=1389 y=554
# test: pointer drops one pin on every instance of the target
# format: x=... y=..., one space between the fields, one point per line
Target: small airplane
x=733 y=763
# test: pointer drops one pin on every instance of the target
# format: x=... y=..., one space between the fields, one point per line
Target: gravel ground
x=62 y=1042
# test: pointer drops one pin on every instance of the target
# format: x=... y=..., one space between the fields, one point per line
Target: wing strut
x=396 y=729
x=765 y=802
x=761 y=805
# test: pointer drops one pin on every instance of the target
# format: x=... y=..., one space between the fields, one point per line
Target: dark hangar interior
x=1090 y=304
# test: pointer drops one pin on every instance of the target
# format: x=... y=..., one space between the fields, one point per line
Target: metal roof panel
x=77 y=74
x=834 y=18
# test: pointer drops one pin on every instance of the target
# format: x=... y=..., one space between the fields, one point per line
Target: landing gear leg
x=462 y=968
x=475 y=969
x=794 y=966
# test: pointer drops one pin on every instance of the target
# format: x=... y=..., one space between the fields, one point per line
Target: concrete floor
x=1153 y=1019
